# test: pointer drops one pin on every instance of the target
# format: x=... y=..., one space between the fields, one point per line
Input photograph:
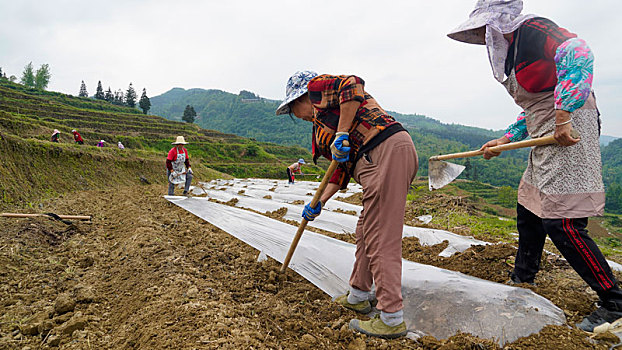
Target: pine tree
x=99 y=94
x=109 y=96
x=28 y=76
x=83 y=92
x=144 y=103
x=118 y=98
x=189 y=114
x=130 y=97
x=42 y=77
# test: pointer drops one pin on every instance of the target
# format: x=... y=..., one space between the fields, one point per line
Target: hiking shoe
x=376 y=328
x=598 y=317
x=363 y=307
x=187 y=194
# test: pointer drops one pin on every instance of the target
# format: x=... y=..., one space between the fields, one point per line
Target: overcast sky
x=399 y=47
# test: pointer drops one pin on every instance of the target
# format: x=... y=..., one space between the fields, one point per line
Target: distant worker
x=382 y=158
x=101 y=143
x=548 y=71
x=120 y=145
x=178 y=167
x=55 y=136
x=295 y=168
x=77 y=137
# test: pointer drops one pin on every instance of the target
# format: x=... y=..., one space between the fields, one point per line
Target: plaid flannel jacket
x=327 y=93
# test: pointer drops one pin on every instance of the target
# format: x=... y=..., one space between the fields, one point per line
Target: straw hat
x=180 y=141
x=56 y=132
x=296 y=87
x=102 y=141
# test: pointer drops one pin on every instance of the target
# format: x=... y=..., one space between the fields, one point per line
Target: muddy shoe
x=514 y=280
x=363 y=307
x=376 y=328
x=598 y=317
x=187 y=194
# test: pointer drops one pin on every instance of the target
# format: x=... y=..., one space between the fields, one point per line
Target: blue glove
x=340 y=152
x=311 y=213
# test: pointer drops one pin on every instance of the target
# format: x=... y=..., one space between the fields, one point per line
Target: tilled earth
x=145 y=274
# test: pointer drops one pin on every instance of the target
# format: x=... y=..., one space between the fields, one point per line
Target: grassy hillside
x=34 y=168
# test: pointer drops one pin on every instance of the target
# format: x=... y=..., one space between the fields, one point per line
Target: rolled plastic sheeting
x=436 y=301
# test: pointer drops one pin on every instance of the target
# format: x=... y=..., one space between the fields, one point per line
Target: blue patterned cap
x=296 y=87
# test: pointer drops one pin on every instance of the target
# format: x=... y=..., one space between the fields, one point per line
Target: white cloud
x=399 y=47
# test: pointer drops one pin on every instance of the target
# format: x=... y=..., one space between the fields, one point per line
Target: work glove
x=340 y=152
x=310 y=213
x=174 y=173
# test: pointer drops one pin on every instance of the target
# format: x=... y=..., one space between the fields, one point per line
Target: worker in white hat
x=178 y=167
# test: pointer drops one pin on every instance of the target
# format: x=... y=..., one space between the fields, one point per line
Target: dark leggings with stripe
x=290 y=176
x=571 y=239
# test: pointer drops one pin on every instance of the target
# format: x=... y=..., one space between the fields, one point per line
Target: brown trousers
x=385 y=173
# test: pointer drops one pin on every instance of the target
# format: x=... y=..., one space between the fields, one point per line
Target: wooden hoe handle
x=540 y=141
x=314 y=201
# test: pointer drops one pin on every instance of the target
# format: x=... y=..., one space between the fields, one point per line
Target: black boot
x=609 y=310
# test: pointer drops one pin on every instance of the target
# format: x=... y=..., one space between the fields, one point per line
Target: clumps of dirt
x=272 y=189
x=494 y=257
x=298 y=202
x=232 y=202
x=349 y=212
x=241 y=191
x=356 y=198
x=48 y=231
x=277 y=214
x=267 y=196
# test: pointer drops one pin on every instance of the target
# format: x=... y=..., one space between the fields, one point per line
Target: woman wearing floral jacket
x=548 y=72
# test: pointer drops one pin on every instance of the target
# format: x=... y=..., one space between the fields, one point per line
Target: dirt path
x=145 y=274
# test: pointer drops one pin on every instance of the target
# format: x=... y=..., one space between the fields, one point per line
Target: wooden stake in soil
x=66 y=217
x=314 y=201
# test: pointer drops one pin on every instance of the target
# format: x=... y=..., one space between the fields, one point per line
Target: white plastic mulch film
x=436 y=301
x=268 y=195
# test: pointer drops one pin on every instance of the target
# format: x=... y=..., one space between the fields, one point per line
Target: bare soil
x=145 y=274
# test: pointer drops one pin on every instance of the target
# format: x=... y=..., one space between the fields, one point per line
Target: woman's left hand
x=563 y=134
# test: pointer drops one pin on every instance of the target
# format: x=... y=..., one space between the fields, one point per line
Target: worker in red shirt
x=77 y=137
x=178 y=167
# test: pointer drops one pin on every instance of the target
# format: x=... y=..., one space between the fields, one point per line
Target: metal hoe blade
x=440 y=173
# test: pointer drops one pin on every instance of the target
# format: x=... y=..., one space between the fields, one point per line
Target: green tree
x=28 y=76
x=2 y=75
x=144 y=103
x=99 y=93
x=83 y=92
x=12 y=78
x=130 y=96
x=189 y=114
x=42 y=77
x=118 y=97
x=109 y=96
x=613 y=199
x=507 y=196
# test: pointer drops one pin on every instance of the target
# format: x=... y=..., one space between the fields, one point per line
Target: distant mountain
x=604 y=139
x=244 y=114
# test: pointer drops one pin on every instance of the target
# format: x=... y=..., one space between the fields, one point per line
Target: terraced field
x=28 y=117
